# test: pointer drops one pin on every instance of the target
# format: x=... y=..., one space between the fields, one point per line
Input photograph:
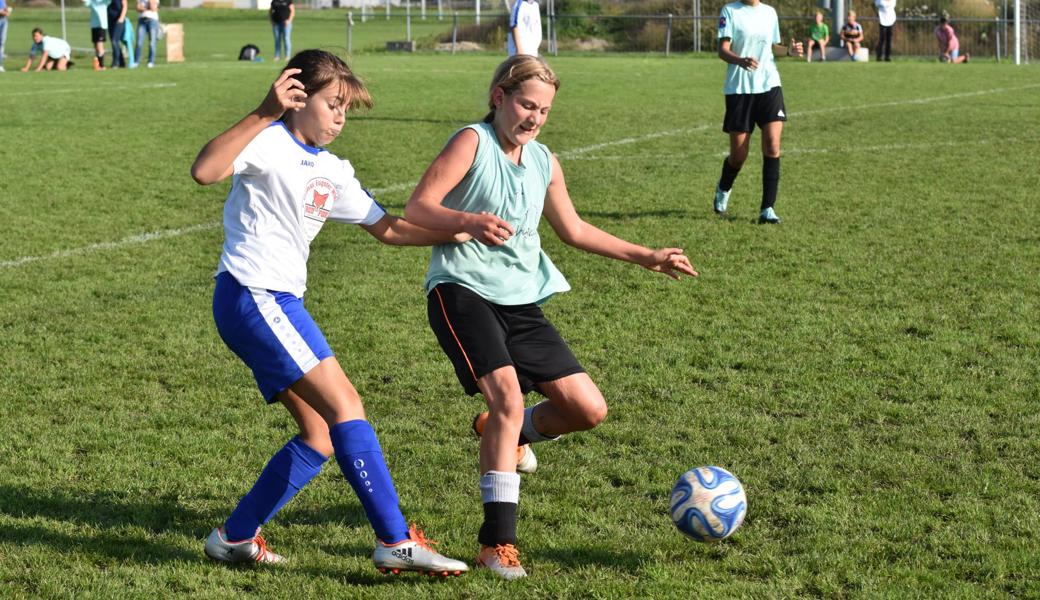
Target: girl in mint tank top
x=494 y=182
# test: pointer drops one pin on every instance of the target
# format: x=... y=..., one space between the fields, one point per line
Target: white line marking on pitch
x=169 y=233
x=107 y=87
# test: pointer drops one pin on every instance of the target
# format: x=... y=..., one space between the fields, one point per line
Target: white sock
x=499 y=486
x=532 y=434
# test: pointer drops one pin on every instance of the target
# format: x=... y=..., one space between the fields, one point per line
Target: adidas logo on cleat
x=404 y=554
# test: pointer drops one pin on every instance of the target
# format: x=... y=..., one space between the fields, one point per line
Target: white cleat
x=250 y=551
x=503 y=560
x=415 y=554
x=526 y=461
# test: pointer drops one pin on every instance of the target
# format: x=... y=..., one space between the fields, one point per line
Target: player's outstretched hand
x=670 y=261
x=489 y=229
x=286 y=93
x=795 y=49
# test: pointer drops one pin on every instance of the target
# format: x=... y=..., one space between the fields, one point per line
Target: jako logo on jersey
x=318 y=198
x=722 y=22
x=306 y=163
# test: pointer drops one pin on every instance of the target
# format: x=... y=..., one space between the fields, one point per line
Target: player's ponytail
x=513 y=72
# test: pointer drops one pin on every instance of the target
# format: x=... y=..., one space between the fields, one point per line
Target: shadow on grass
x=636 y=214
x=107 y=512
x=581 y=557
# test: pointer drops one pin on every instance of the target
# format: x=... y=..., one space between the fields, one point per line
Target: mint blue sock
x=361 y=460
x=286 y=473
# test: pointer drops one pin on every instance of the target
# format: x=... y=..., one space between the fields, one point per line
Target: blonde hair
x=513 y=72
x=321 y=69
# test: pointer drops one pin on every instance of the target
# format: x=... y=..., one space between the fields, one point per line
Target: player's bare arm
x=215 y=161
x=726 y=54
x=396 y=231
x=424 y=208
x=573 y=231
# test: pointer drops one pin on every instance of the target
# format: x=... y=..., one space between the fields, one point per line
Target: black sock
x=729 y=174
x=499 y=524
x=770 y=180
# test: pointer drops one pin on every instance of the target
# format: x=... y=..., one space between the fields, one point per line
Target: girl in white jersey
x=284 y=187
x=495 y=182
x=749 y=34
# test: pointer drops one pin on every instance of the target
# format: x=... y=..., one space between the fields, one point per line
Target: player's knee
x=591 y=415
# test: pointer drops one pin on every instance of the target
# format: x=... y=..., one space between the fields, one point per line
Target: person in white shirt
x=525 y=28
x=886 y=13
x=749 y=34
x=284 y=187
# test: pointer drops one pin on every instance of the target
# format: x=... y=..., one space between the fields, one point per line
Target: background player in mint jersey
x=749 y=34
x=284 y=187
x=495 y=182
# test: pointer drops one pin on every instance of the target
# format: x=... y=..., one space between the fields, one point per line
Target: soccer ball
x=708 y=504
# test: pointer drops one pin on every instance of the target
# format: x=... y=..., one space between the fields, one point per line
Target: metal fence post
x=454 y=32
x=408 y=20
x=668 y=37
x=476 y=8
x=350 y=32
x=996 y=30
x=440 y=10
x=387 y=10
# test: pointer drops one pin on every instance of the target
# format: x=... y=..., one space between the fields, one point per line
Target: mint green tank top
x=517 y=272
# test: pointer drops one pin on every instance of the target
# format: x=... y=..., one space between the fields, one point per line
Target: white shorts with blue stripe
x=270 y=331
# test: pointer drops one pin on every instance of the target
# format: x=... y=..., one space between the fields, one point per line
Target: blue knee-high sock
x=361 y=460
x=286 y=473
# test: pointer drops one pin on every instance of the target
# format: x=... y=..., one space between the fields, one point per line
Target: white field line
x=575 y=153
x=80 y=90
x=789 y=151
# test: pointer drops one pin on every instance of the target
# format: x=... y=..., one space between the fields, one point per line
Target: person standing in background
x=116 y=30
x=525 y=28
x=147 y=25
x=4 y=11
x=98 y=30
x=886 y=12
x=282 y=14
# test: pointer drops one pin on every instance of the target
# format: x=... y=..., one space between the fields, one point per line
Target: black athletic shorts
x=479 y=337
x=744 y=111
x=97 y=34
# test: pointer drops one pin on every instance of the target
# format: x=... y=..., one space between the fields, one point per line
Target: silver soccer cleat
x=415 y=554
x=245 y=552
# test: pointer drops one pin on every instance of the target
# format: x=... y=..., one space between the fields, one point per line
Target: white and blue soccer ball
x=708 y=504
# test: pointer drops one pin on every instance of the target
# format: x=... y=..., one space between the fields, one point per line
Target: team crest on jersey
x=319 y=197
x=722 y=22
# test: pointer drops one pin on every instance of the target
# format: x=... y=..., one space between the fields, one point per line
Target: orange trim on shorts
x=444 y=311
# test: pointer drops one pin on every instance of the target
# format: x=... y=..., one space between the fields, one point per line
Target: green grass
x=868 y=369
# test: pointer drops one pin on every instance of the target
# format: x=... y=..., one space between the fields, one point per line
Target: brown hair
x=320 y=69
x=515 y=71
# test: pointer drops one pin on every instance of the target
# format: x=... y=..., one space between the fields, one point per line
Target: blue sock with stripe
x=286 y=473
x=361 y=460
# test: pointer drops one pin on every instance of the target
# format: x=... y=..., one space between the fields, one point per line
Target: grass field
x=868 y=368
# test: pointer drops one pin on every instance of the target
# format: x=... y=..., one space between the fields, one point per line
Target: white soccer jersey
x=752 y=31
x=281 y=194
x=528 y=22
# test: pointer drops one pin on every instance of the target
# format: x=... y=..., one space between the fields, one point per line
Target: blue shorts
x=270 y=331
